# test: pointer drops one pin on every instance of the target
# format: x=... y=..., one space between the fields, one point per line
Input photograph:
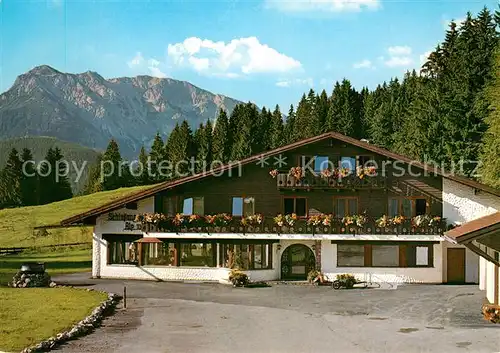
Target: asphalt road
x=187 y=317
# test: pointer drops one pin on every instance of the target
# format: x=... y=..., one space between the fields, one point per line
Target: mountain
x=39 y=146
x=89 y=110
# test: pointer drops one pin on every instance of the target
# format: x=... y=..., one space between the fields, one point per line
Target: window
x=123 y=252
x=417 y=255
x=297 y=205
x=320 y=163
x=169 y=206
x=253 y=256
x=350 y=255
x=385 y=255
x=363 y=161
x=243 y=206
x=346 y=206
x=193 y=205
x=408 y=207
x=348 y=162
x=159 y=254
x=197 y=254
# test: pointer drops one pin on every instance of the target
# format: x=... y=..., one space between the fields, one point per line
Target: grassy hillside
x=39 y=146
x=16 y=224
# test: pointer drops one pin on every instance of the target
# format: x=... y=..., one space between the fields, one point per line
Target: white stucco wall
x=462 y=204
x=492 y=279
x=383 y=274
x=471 y=263
x=482 y=273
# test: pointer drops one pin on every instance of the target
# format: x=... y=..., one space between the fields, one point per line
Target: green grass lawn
x=16 y=224
x=29 y=315
x=61 y=260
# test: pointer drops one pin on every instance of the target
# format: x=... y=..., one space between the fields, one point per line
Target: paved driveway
x=187 y=317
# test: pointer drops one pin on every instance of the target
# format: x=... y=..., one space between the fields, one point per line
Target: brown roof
x=365 y=145
x=475 y=229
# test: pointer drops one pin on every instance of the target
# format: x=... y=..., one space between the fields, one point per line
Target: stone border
x=82 y=328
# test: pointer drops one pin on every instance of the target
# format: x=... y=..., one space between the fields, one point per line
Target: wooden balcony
x=286 y=181
x=268 y=226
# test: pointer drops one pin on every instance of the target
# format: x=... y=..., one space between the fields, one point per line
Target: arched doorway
x=296 y=262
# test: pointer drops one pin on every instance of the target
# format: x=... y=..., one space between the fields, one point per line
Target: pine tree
x=203 y=142
x=245 y=142
x=157 y=155
x=276 y=129
x=221 y=144
x=289 y=129
x=11 y=176
x=263 y=131
x=490 y=156
x=321 y=112
x=181 y=150
x=142 y=175
x=29 y=179
x=94 y=182
x=112 y=177
x=302 y=117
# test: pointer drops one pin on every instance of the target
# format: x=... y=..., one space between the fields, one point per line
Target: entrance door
x=296 y=262
x=456 y=265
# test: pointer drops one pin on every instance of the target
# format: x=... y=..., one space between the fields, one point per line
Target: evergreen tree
x=245 y=142
x=490 y=156
x=142 y=175
x=221 y=145
x=11 y=194
x=94 y=183
x=289 y=129
x=181 y=149
x=276 y=129
x=203 y=140
x=29 y=179
x=156 y=156
x=302 y=117
x=112 y=171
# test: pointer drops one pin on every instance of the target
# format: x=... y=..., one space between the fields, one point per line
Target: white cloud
x=397 y=61
x=399 y=50
x=364 y=64
x=239 y=56
x=295 y=82
x=138 y=62
x=322 y=5
x=398 y=56
x=458 y=21
x=154 y=68
x=425 y=56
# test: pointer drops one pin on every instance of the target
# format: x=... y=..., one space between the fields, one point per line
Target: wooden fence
x=17 y=250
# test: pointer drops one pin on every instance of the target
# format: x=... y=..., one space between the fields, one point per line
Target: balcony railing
x=268 y=226
x=286 y=181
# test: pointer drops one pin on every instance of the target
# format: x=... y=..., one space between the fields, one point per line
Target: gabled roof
x=477 y=228
x=349 y=140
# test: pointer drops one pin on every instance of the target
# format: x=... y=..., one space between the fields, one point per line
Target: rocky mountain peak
x=88 y=109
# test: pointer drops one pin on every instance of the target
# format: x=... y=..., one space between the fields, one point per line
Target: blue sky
x=267 y=51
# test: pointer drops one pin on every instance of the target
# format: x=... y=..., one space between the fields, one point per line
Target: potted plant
x=296 y=172
x=274 y=173
x=238 y=278
x=383 y=221
x=290 y=219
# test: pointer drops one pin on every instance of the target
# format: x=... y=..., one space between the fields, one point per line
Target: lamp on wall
x=278 y=247
x=313 y=247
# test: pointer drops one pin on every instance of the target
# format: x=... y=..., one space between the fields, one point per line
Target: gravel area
x=187 y=317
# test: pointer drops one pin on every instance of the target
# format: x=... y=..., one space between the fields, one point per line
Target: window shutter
x=158 y=204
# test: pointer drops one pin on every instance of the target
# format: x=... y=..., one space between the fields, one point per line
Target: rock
x=52 y=284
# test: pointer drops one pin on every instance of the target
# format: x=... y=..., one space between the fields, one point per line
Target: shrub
x=238 y=278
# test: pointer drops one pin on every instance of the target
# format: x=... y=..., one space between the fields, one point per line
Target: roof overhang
x=82 y=217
